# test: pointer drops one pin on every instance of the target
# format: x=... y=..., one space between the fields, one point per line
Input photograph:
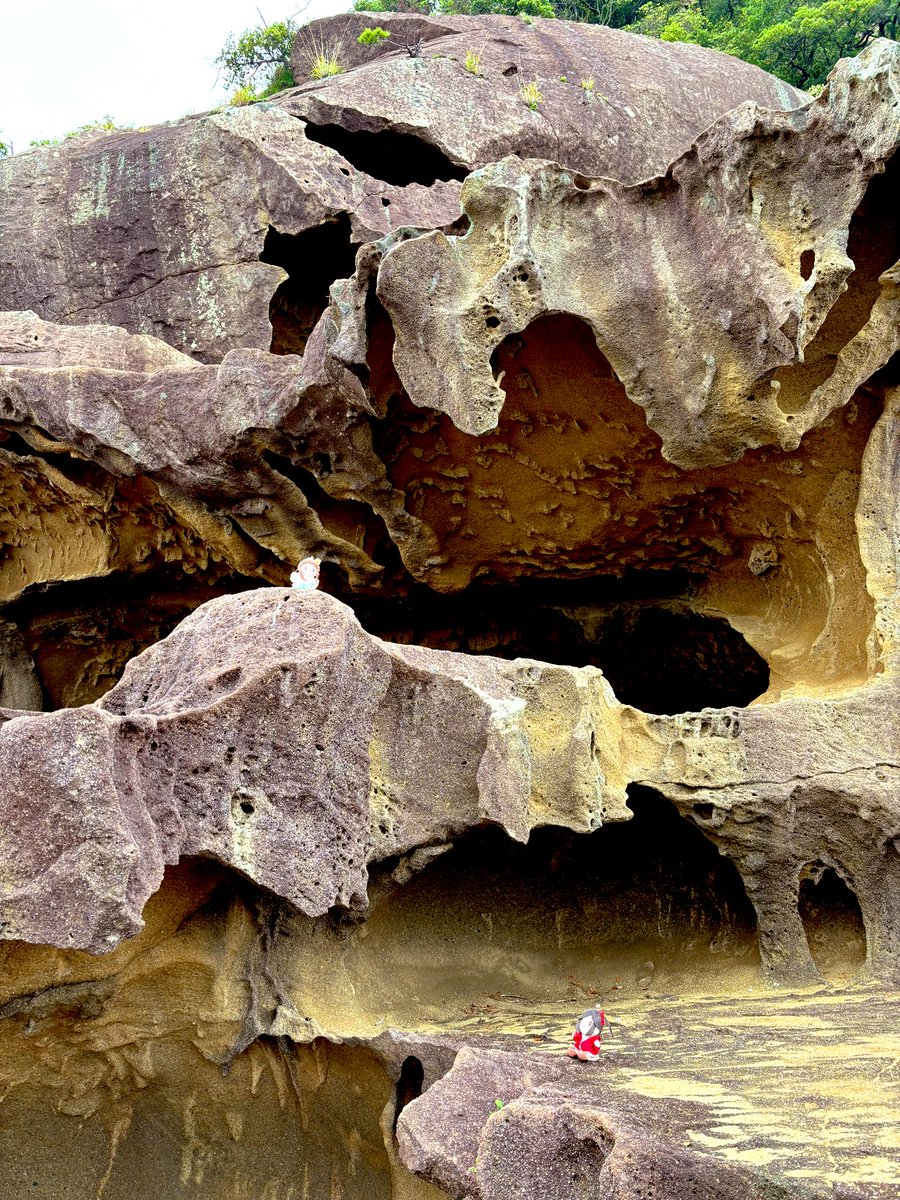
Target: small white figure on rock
x=306 y=577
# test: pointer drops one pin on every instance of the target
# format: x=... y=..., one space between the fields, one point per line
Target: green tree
x=259 y=59
x=799 y=42
x=805 y=46
x=4 y=149
x=594 y=12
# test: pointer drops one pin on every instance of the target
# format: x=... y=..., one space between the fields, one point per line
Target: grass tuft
x=531 y=94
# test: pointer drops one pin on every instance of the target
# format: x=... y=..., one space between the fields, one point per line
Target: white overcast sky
x=66 y=62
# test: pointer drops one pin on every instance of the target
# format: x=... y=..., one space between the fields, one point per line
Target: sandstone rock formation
x=591 y=412
x=188 y=231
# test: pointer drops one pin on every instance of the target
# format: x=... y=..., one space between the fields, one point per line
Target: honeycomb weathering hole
x=833 y=921
x=874 y=246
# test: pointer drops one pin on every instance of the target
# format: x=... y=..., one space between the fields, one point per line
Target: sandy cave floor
x=804 y=1085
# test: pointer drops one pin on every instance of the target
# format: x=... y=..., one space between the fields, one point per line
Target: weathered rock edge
x=558 y=1132
x=161 y=230
x=706 y=287
x=272 y=733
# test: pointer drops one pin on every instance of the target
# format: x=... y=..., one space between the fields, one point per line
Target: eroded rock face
x=192 y=254
x=165 y=1087
x=185 y=231
x=612 y=103
x=591 y=413
x=545 y=240
x=735 y=491
x=271 y=732
x=399 y=747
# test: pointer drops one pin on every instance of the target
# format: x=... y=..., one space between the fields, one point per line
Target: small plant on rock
x=373 y=37
x=244 y=95
x=324 y=65
x=322 y=58
x=588 y=84
x=531 y=94
x=473 y=61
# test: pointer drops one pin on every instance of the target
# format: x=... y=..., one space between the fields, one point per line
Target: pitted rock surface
x=590 y=412
x=356 y=750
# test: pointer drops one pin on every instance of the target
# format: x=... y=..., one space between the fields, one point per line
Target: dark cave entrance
x=657 y=653
x=409 y=1085
x=396 y=158
x=313 y=260
x=670 y=660
x=833 y=921
x=645 y=905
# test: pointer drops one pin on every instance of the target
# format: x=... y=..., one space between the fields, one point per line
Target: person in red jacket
x=587 y=1035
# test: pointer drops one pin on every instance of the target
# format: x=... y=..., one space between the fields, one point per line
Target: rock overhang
x=366 y=451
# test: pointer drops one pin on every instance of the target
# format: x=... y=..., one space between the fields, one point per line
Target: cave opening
x=409 y=1085
x=642 y=906
x=571 y=487
x=313 y=260
x=656 y=652
x=396 y=158
x=833 y=922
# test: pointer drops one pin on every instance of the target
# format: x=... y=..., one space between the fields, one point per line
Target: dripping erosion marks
x=571 y=486
x=203 y=1116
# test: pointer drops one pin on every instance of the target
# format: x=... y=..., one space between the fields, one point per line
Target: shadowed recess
x=396 y=158
x=409 y=1085
x=874 y=246
x=657 y=654
x=572 y=486
x=80 y=634
x=351 y=520
x=313 y=261
x=833 y=922
x=647 y=904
